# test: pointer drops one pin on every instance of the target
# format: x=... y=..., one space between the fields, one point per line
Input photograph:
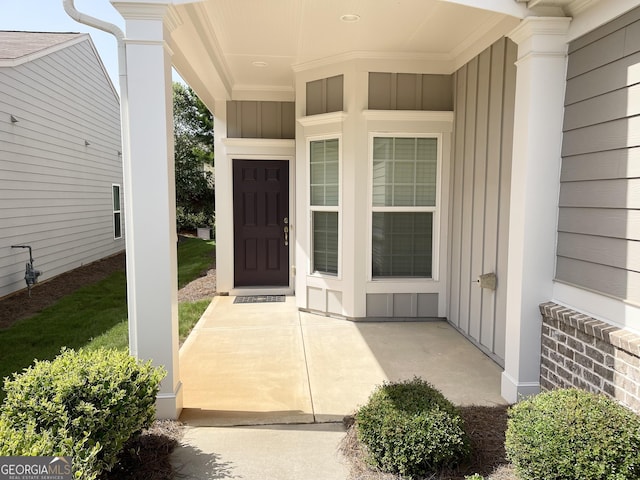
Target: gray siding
x=325 y=95
x=410 y=91
x=252 y=119
x=484 y=93
x=598 y=222
x=402 y=305
x=55 y=192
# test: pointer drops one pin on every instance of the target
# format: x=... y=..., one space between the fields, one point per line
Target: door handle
x=286 y=235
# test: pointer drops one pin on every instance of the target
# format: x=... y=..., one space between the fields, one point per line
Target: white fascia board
x=601 y=307
x=598 y=14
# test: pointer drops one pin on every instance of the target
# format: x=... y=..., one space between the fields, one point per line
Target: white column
x=540 y=86
x=224 y=201
x=150 y=198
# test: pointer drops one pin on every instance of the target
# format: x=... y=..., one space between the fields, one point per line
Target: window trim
x=322 y=208
x=436 y=210
x=114 y=211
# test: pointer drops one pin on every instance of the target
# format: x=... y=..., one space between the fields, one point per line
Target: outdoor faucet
x=31 y=274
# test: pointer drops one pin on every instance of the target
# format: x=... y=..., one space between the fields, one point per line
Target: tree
x=193 y=137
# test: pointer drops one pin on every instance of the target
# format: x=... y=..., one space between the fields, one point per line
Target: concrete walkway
x=266 y=386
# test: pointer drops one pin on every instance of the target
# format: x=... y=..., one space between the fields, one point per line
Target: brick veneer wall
x=580 y=351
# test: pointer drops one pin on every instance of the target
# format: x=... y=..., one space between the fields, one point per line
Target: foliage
x=573 y=434
x=86 y=404
x=475 y=476
x=71 y=322
x=410 y=428
x=194 y=259
x=193 y=139
x=190 y=313
x=187 y=220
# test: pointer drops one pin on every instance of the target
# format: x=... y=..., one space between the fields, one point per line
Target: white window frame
x=435 y=210
x=114 y=211
x=321 y=208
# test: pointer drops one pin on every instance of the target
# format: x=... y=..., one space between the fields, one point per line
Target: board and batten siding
x=410 y=91
x=484 y=96
x=55 y=191
x=253 y=119
x=599 y=215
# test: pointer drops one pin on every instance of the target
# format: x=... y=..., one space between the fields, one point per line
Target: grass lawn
x=95 y=316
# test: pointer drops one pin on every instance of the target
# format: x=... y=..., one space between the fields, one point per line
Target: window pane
x=325 y=242
x=317 y=195
x=382 y=148
x=331 y=195
x=324 y=172
x=115 y=193
x=404 y=172
x=331 y=173
x=409 y=167
x=317 y=174
x=403 y=195
x=426 y=170
x=402 y=244
x=117 y=226
x=405 y=149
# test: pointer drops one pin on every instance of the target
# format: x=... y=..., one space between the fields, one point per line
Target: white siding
x=55 y=192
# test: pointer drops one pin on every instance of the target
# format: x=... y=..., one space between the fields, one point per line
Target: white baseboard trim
x=513 y=391
x=169 y=405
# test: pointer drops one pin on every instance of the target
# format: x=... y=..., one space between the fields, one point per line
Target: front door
x=261 y=222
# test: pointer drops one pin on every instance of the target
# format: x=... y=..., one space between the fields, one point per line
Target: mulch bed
x=147 y=456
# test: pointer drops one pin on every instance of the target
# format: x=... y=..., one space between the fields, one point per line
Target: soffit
x=224 y=38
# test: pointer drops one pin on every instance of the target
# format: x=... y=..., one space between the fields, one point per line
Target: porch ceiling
x=216 y=43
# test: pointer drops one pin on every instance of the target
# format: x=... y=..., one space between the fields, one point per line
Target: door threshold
x=242 y=291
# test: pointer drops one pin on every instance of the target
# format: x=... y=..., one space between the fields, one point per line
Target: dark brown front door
x=261 y=222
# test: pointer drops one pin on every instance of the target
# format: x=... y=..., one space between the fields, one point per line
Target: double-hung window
x=404 y=206
x=324 y=204
x=117 y=220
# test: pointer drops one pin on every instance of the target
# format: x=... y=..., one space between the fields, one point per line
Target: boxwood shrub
x=86 y=404
x=410 y=428
x=573 y=434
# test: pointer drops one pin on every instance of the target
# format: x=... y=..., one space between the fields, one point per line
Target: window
x=404 y=192
x=117 y=220
x=324 y=201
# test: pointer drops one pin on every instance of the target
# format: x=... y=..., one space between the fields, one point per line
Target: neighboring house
x=376 y=158
x=60 y=156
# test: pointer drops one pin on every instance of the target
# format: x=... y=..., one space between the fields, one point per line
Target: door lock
x=286 y=236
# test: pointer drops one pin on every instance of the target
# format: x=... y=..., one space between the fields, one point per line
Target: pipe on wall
x=119 y=35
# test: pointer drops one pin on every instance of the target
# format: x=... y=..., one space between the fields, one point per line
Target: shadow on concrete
x=192 y=463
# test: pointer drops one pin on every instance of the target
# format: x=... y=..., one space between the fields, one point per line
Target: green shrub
x=86 y=404
x=573 y=434
x=188 y=220
x=410 y=428
x=32 y=441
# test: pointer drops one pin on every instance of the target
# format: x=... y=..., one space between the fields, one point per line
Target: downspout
x=114 y=30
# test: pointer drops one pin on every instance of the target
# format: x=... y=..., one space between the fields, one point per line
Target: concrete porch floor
x=267 y=363
x=266 y=387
